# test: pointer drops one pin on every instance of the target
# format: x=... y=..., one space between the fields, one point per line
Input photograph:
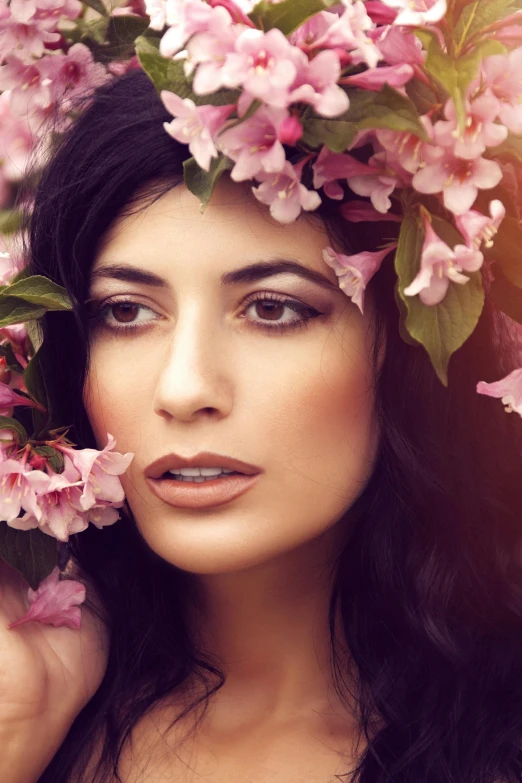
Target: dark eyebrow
x=247 y=274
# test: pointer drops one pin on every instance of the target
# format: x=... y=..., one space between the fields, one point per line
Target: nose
x=195 y=376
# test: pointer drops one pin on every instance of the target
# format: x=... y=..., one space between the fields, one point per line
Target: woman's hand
x=47 y=676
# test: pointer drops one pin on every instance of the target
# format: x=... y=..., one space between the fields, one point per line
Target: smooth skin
x=197 y=374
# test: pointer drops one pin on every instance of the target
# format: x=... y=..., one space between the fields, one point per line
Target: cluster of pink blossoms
x=60 y=504
x=37 y=66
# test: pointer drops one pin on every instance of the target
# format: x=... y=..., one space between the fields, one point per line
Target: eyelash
x=97 y=312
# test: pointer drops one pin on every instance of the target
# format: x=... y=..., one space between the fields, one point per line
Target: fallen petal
x=55 y=602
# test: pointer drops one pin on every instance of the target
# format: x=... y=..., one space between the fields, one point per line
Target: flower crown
x=415 y=106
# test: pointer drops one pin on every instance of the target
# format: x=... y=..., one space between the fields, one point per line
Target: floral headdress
x=415 y=106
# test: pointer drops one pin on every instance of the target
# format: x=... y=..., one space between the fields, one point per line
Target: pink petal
x=55 y=603
x=459 y=198
x=8 y=397
x=375 y=78
x=435 y=292
x=509 y=389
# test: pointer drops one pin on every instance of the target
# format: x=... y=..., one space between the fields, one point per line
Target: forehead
x=234 y=227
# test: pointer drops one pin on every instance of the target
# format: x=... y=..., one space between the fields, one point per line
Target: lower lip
x=184 y=494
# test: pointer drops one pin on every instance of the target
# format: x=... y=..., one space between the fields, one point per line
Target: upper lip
x=205 y=459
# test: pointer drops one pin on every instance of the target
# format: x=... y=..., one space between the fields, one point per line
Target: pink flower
x=477 y=228
x=502 y=75
x=51 y=11
x=362 y=212
x=29 y=83
x=330 y=167
x=376 y=78
x=99 y=471
x=254 y=144
x=183 y=18
x=22 y=32
x=509 y=389
x=208 y=51
x=378 y=182
x=316 y=83
x=285 y=194
x=458 y=179
x=345 y=31
x=355 y=272
x=440 y=264
x=60 y=516
x=399 y=46
x=55 y=602
x=157 y=11
x=74 y=74
x=417 y=13
x=481 y=130
x=8 y=398
x=19 y=488
x=264 y=64
x=405 y=149
x=379 y=13
x=195 y=125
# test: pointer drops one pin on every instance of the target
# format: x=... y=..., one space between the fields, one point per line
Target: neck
x=268 y=628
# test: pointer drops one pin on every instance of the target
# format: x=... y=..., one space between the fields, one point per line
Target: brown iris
x=124 y=312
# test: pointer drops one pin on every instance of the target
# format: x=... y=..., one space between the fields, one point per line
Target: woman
x=356 y=611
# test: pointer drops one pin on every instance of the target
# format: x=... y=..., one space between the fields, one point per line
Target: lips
x=208 y=494
x=205 y=459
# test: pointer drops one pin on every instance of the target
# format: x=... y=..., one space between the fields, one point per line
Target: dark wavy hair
x=428 y=585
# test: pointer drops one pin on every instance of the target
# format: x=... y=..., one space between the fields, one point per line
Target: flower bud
x=38 y=462
x=290 y=131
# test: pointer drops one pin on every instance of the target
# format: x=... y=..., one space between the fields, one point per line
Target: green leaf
x=53 y=456
x=21 y=275
x=201 y=182
x=168 y=74
x=91 y=32
x=35 y=384
x=7 y=423
x=507 y=251
x=16 y=311
x=422 y=96
x=288 y=15
x=39 y=290
x=476 y=16
x=442 y=328
x=31 y=552
x=34 y=332
x=384 y=109
x=10 y=221
x=506 y=296
x=454 y=75
x=97 y=5
x=11 y=361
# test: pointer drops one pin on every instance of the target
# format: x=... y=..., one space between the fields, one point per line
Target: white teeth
x=199 y=471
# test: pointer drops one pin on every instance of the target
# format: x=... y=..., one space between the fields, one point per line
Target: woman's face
x=207 y=367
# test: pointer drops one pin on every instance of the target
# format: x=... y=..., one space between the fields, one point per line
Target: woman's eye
x=123 y=315
x=270 y=313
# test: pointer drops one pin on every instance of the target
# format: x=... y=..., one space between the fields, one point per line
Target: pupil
x=124 y=312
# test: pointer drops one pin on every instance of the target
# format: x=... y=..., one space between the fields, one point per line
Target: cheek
x=115 y=396
x=326 y=427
